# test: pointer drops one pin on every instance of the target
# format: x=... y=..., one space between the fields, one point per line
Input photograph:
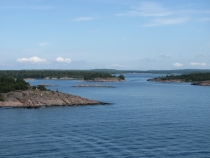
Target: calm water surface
x=147 y=119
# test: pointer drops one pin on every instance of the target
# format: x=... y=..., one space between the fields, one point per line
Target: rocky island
x=160 y=79
x=112 y=79
x=37 y=98
x=17 y=93
x=85 y=75
x=202 y=83
x=200 y=79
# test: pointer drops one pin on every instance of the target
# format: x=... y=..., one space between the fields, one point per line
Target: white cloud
x=169 y=21
x=177 y=64
x=31 y=60
x=83 y=19
x=198 y=64
x=43 y=44
x=62 y=60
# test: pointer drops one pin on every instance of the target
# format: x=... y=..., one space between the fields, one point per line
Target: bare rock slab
x=37 y=98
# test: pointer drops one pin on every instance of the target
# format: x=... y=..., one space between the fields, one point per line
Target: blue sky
x=95 y=34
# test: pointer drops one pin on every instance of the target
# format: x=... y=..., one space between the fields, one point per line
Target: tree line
x=41 y=74
x=192 y=77
x=8 y=84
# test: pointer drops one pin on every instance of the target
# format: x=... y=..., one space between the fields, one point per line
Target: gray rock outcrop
x=37 y=98
x=202 y=83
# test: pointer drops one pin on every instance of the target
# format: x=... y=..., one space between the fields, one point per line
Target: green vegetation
x=41 y=87
x=122 y=77
x=192 y=77
x=182 y=71
x=81 y=74
x=40 y=74
x=1 y=97
x=92 y=75
x=8 y=84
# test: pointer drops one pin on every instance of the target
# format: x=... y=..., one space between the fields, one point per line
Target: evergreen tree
x=1 y=97
x=41 y=87
x=122 y=77
x=8 y=84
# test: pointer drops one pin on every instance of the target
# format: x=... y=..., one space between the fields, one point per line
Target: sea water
x=146 y=119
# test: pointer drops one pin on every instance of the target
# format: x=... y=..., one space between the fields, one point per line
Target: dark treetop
x=192 y=77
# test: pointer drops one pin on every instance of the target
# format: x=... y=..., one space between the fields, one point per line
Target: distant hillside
x=40 y=74
x=202 y=79
x=87 y=74
x=181 y=71
x=192 y=77
x=61 y=74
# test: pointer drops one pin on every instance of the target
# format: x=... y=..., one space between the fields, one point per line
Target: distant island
x=202 y=79
x=87 y=75
x=93 y=85
x=17 y=93
x=120 y=78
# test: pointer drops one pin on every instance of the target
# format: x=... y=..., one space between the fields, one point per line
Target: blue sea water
x=146 y=119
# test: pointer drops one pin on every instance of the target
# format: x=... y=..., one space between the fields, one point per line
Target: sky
x=104 y=34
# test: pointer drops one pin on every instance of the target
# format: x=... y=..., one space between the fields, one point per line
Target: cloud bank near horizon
x=34 y=59
x=63 y=60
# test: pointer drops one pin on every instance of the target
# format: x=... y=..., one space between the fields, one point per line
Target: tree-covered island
x=88 y=75
x=195 y=78
x=16 y=92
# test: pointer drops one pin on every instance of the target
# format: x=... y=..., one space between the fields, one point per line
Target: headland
x=200 y=79
x=37 y=98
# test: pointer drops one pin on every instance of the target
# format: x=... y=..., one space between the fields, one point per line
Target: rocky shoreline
x=37 y=98
x=160 y=80
x=47 y=85
x=93 y=85
x=202 y=83
x=114 y=79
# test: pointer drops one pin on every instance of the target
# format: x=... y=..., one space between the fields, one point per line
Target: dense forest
x=87 y=74
x=192 y=77
x=1 y=97
x=11 y=80
x=8 y=84
x=181 y=71
x=40 y=74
